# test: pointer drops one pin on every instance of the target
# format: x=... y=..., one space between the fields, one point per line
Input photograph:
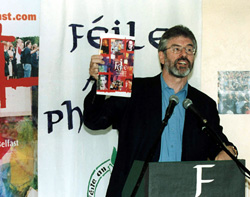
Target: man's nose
x=183 y=52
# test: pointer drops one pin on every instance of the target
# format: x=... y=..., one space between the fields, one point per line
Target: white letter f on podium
x=199 y=180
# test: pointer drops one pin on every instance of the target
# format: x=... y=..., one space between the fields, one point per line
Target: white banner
x=73 y=160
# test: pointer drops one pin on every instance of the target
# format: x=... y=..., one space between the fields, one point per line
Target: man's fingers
x=93 y=68
x=96 y=59
x=94 y=72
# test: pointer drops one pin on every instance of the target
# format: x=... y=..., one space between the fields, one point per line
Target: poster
x=19 y=33
x=116 y=74
x=234 y=92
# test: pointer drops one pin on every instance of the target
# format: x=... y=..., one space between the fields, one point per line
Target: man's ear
x=161 y=57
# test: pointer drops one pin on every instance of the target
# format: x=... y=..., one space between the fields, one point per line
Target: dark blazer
x=138 y=120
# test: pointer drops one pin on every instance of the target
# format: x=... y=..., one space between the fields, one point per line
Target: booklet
x=115 y=76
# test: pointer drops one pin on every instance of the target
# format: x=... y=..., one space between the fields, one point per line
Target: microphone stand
x=150 y=154
x=211 y=132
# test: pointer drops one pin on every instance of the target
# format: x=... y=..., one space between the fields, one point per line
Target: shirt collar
x=164 y=86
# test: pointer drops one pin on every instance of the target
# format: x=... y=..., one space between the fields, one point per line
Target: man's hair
x=173 y=32
x=27 y=43
x=176 y=31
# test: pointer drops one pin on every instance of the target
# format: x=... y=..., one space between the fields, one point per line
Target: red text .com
x=18 y=17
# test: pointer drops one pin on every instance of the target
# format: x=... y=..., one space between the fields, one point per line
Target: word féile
x=8 y=143
x=56 y=116
x=92 y=39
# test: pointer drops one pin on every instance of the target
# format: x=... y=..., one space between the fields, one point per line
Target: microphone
x=188 y=104
x=173 y=101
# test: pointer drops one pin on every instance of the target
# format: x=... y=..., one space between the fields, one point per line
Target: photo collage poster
x=19 y=62
x=116 y=74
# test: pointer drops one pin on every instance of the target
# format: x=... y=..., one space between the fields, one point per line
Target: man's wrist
x=233 y=150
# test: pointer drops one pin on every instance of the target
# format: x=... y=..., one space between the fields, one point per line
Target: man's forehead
x=180 y=40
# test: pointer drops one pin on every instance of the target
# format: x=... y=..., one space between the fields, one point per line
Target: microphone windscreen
x=186 y=103
x=174 y=98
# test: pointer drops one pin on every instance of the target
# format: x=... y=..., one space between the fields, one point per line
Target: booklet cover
x=115 y=76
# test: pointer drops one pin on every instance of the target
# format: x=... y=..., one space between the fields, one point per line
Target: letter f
x=199 y=180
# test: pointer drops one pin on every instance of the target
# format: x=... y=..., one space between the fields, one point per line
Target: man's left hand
x=224 y=156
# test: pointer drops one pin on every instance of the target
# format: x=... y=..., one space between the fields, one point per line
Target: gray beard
x=172 y=70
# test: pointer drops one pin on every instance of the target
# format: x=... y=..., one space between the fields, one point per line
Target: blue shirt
x=171 y=139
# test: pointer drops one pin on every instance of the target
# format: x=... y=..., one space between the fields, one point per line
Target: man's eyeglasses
x=190 y=50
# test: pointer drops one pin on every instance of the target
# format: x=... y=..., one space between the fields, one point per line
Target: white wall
x=225 y=47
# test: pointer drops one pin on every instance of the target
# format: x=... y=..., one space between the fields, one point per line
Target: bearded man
x=138 y=119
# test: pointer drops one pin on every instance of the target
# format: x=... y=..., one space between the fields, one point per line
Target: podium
x=187 y=179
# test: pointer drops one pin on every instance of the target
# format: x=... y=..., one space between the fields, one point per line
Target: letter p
x=50 y=121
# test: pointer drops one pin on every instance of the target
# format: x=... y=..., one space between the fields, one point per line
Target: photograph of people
x=105 y=46
x=130 y=45
x=103 y=82
x=28 y=52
